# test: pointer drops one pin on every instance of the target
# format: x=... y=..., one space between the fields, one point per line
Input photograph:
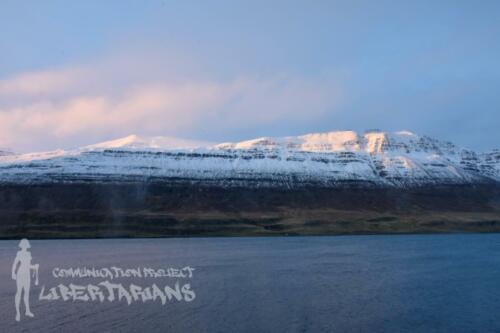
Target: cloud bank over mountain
x=65 y=107
x=89 y=72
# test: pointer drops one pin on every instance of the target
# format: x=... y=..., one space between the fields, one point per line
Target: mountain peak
x=134 y=141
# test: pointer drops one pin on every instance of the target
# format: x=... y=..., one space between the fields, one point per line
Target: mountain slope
x=374 y=158
x=323 y=183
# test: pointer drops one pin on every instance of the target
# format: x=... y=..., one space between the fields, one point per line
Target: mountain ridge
x=319 y=183
x=334 y=158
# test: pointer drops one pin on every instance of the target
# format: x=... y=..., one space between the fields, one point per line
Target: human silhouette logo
x=22 y=269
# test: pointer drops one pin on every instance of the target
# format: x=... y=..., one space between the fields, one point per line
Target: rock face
x=375 y=158
x=324 y=183
x=490 y=164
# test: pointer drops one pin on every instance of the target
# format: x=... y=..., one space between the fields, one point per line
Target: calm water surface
x=414 y=283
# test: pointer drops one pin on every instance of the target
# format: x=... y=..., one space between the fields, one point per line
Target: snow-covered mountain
x=377 y=158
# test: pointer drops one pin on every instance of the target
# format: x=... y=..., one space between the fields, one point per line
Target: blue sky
x=75 y=73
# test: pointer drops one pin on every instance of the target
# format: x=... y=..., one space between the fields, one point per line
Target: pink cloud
x=70 y=107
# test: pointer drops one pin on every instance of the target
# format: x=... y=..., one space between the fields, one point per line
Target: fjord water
x=417 y=283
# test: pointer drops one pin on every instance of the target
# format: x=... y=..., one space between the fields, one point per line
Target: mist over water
x=420 y=283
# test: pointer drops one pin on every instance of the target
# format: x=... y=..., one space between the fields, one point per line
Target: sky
x=80 y=72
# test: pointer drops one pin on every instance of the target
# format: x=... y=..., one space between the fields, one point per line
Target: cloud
x=36 y=83
x=69 y=107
